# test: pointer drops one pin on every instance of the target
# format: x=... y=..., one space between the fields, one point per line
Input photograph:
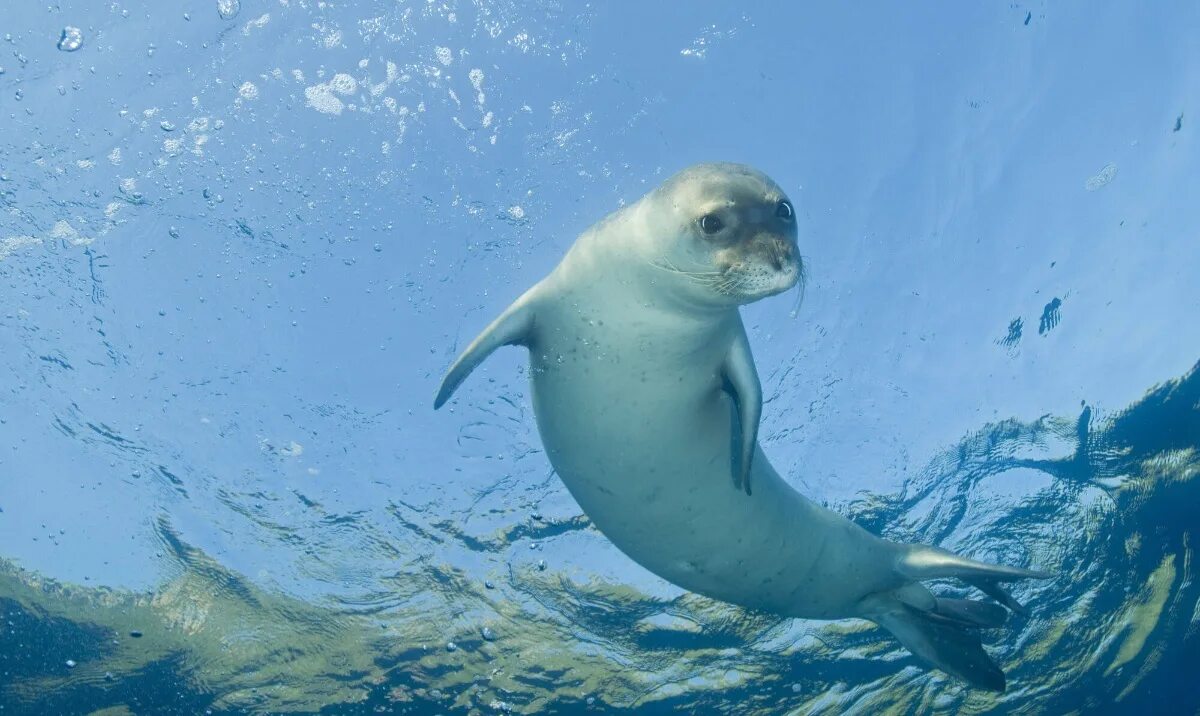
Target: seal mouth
x=747 y=281
x=764 y=266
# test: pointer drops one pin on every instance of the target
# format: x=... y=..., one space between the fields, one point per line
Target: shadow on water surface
x=1111 y=504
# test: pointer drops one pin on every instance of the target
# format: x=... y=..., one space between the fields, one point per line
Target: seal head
x=726 y=233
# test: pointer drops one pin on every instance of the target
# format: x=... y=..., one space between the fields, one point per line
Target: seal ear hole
x=711 y=223
x=785 y=211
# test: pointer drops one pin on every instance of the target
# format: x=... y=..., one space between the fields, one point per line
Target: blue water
x=241 y=242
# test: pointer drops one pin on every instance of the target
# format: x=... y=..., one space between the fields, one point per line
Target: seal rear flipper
x=513 y=327
x=945 y=631
x=918 y=561
x=963 y=612
x=741 y=382
x=953 y=647
x=1000 y=594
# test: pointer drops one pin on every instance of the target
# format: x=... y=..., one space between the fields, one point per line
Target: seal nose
x=776 y=251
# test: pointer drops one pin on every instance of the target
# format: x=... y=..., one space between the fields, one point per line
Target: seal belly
x=648 y=457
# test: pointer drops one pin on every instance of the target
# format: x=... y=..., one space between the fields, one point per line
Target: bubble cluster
x=321 y=98
x=71 y=39
x=1106 y=175
x=343 y=83
x=228 y=9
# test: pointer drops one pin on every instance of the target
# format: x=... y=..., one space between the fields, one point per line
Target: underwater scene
x=547 y=357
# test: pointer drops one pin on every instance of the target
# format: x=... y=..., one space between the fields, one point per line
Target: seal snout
x=773 y=250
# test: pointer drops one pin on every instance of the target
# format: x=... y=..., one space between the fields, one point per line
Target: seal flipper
x=995 y=591
x=946 y=643
x=741 y=382
x=513 y=327
x=944 y=631
x=918 y=561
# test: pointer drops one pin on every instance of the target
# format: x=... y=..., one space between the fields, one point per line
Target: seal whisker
x=801 y=286
x=708 y=279
x=730 y=282
x=670 y=268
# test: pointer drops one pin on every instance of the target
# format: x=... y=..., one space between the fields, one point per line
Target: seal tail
x=946 y=632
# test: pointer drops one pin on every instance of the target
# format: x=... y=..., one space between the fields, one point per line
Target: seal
x=648 y=402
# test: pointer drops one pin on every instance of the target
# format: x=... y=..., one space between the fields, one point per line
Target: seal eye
x=711 y=223
x=784 y=211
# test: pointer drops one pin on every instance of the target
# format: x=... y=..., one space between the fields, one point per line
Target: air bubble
x=1106 y=175
x=71 y=39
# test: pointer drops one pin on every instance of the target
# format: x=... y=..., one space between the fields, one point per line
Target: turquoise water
x=241 y=242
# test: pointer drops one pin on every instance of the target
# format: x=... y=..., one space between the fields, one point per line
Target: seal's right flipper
x=513 y=327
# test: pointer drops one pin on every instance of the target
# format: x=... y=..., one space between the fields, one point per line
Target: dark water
x=1114 y=512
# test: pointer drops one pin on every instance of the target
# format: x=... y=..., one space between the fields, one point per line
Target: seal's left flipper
x=513 y=327
x=741 y=382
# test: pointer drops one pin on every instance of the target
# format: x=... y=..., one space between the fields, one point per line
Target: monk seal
x=648 y=402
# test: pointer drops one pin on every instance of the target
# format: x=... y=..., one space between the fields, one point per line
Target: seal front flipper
x=513 y=327
x=741 y=382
